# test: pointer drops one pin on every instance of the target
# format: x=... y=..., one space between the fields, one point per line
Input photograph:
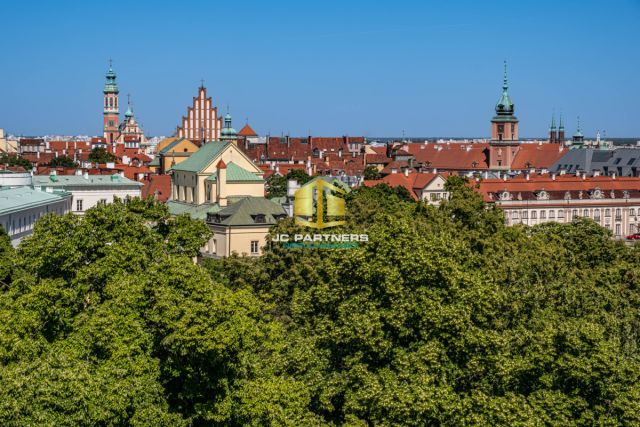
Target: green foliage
x=6 y=258
x=63 y=161
x=15 y=160
x=445 y=317
x=101 y=156
x=276 y=185
x=372 y=172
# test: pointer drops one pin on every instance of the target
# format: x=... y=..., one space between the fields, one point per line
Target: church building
x=129 y=131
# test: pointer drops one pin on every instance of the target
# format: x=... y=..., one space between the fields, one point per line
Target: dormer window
x=260 y=219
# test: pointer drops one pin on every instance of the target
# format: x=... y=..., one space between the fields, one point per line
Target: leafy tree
x=63 y=161
x=15 y=160
x=6 y=258
x=372 y=172
x=276 y=185
x=101 y=156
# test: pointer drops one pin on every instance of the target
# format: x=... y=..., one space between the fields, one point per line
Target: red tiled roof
x=538 y=156
x=413 y=182
x=561 y=183
x=247 y=131
x=158 y=186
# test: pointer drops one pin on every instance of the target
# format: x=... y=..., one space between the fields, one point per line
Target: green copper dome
x=111 y=86
x=227 y=131
x=505 y=106
x=129 y=113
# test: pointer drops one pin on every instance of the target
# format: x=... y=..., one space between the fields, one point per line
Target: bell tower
x=504 y=144
x=110 y=107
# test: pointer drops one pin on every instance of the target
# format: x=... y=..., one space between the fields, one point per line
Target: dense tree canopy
x=63 y=161
x=445 y=317
x=101 y=156
x=15 y=160
x=276 y=185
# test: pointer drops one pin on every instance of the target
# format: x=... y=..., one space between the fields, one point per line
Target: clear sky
x=430 y=68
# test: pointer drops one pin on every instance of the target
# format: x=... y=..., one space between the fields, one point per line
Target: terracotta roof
x=558 y=186
x=413 y=182
x=247 y=131
x=158 y=186
x=538 y=156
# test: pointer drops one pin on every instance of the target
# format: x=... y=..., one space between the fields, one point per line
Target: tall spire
x=505 y=85
x=561 y=127
x=553 y=121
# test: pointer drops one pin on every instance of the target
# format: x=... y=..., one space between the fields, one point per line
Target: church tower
x=504 y=125
x=111 y=116
x=560 y=139
x=504 y=144
x=552 y=129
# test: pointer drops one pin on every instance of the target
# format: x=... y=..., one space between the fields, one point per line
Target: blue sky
x=430 y=68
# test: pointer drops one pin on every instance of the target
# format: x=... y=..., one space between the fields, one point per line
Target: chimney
x=596 y=172
x=85 y=175
x=406 y=171
x=221 y=183
x=526 y=175
x=553 y=176
x=504 y=177
x=613 y=175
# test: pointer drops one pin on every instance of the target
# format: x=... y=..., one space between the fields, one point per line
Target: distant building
x=113 y=131
x=20 y=208
x=87 y=190
x=8 y=146
x=172 y=151
x=612 y=202
x=428 y=187
x=201 y=122
x=219 y=184
x=618 y=162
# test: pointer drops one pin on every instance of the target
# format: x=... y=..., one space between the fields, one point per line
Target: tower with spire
x=504 y=142
x=577 y=140
x=130 y=132
x=560 y=138
x=504 y=125
x=552 y=129
x=111 y=116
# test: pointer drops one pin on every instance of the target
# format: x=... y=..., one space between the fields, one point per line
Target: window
x=560 y=214
x=534 y=215
x=254 y=247
x=260 y=219
x=102 y=202
x=552 y=214
x=543 y=214
x=515 y=215
x=79 y=204
x=607 y=212
x=525 y=215
x=618 y=229
x=585 y=213
x=618 y=214
x=632 y=212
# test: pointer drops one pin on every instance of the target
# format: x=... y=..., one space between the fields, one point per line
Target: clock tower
x=504 y=144
x=111 y=116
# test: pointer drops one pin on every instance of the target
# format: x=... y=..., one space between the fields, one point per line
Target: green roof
x=64 y=181
x=247 y=211
x=20 y=198
x=155 y=161
x=194 y=211
x=199 y=160
x=236 y=174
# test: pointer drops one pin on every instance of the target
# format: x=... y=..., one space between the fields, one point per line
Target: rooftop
x=20 y=198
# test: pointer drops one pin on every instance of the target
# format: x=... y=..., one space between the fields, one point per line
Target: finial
x=561 y=121
x=505 y=86
x=129 y=99
x=110 y=62
x=553 y=120
x=578 y=123
x=202 y=83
